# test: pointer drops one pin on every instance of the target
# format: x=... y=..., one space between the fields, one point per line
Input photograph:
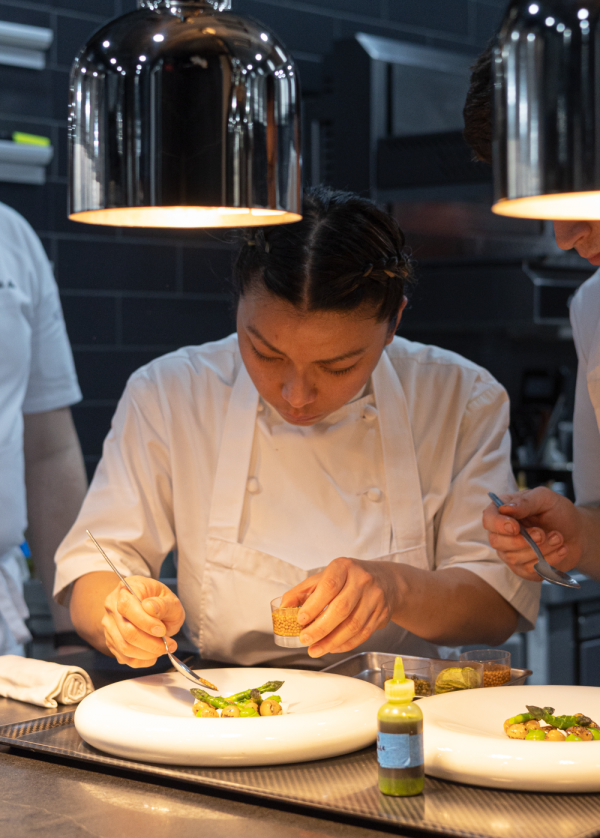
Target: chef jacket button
x=252 y=485
x=369 y=413
x=374 y=494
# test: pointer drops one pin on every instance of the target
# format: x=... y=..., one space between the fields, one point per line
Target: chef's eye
x=263 y=357
x=340 y=372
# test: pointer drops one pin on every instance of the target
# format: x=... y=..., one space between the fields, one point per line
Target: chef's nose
x=298 y=391
x=571 y=233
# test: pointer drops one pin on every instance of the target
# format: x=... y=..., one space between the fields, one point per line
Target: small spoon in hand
x=542 y=567
x=179 y=665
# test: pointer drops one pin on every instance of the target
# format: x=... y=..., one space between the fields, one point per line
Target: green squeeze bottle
x=400 y=738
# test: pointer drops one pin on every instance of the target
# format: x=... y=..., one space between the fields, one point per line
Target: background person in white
x=42 y=476
x=568 y=534
x=311 y=434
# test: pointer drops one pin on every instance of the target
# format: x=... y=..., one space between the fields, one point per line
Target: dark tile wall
x=129 y=296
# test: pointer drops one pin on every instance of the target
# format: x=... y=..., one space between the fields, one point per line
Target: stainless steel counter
x=42 y=796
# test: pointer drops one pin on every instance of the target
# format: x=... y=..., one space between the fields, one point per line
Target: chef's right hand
x=133 y=630
x=551 y=520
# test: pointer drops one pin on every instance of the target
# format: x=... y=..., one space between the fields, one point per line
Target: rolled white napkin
x=42 y=682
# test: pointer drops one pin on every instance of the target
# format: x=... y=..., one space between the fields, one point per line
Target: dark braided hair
x=345 y=253
x=479 y=106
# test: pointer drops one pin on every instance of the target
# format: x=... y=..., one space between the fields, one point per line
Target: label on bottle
x=399 y=750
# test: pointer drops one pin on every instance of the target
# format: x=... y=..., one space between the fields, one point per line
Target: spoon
x=179 y=665
x=542 y=567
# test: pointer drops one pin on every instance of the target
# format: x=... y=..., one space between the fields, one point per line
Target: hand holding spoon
x=542 y=567
x=179 y=665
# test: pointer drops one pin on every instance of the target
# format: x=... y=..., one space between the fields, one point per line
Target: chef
x=42 y=475
x=311 y=454
x=568 y=534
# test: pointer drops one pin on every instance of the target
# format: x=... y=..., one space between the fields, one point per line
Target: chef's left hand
x=359 y=597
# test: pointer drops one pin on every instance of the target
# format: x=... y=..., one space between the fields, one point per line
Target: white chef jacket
x=152 y=489
x=585 y=319
x=36 y=374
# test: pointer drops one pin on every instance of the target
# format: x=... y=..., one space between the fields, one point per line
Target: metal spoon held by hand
x=179 y=665
x=542 y=567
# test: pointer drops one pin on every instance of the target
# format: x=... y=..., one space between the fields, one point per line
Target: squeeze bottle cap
x=400 y=688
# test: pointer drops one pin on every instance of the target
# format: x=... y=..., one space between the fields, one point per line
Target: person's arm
x=567 y=535
x=55 y=483
x=106 y=615
x=449 y=607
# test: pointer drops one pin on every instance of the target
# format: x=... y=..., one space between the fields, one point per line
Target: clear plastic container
x=496 y=665
x=286 y=628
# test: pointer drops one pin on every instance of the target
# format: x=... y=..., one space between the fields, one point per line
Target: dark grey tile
x=116 y=266
x=62 y=153
x=103 y=375
x=71 y=35
x=90 y=320
x=445 y=15
x=30 y=201
x=93 y=424
x=16 y=14
x=487 y=20
x=175 y=322
x=102 y=8
x=59 y=221
x=26 y=92
x=60 y=94
x=348 y=29
x=311 y=75
x=207 y=271
x=296 y=29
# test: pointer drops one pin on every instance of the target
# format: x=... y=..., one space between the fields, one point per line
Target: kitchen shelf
x=24 y=46
x=21 y=163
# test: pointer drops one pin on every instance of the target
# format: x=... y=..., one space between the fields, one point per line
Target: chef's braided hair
x=345 y=253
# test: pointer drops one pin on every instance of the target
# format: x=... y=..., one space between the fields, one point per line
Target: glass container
x=496 y=665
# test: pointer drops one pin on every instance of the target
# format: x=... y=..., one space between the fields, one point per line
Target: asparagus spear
x=269 y=687
x=219 y=702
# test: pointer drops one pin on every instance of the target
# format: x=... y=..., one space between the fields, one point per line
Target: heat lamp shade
x=184 y=116
x=547 y=110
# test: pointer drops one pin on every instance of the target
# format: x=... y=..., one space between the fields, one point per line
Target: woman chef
x=314 y=453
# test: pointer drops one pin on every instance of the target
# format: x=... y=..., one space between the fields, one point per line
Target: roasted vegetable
x=577 y=728
x=246 y=704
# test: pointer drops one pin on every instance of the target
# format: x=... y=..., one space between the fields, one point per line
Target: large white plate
x=150 y=719
x=465 y=741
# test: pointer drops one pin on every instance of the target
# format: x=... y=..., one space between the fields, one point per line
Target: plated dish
x=465 y=741
x=150 y=719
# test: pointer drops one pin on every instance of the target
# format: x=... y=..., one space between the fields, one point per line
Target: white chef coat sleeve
x=585 y=319
x=129 y=506
x=481 y=465
x=52 y=380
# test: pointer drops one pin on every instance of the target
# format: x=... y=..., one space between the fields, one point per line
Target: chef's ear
x=395 y=323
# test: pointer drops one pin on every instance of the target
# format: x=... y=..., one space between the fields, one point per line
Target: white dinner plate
x=464 y=740
x=150 y=719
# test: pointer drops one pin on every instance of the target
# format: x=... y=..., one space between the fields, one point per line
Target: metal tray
x=367 y=667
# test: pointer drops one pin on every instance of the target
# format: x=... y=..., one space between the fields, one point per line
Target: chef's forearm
x=450 y=607
x=87 y=606
x=56 y=485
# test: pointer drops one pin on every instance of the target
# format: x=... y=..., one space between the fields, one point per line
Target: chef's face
x=584 y=236
x=308 y=364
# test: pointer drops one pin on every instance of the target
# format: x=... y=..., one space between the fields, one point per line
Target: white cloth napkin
x=42 y=682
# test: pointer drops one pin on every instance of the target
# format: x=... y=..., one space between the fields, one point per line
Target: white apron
x=239 y=583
